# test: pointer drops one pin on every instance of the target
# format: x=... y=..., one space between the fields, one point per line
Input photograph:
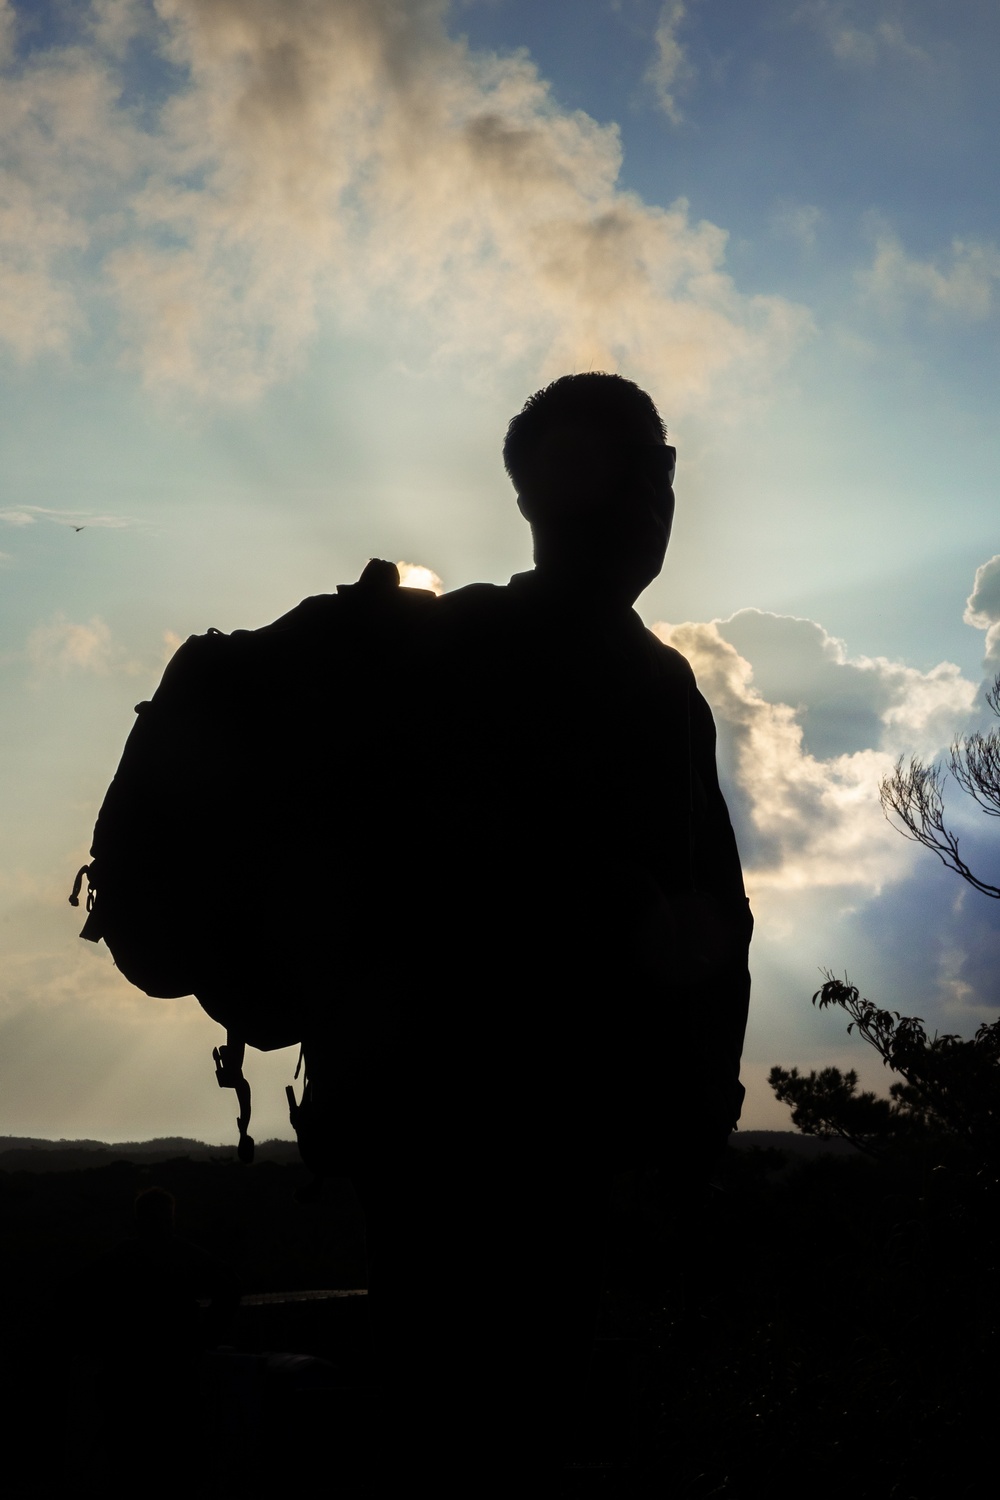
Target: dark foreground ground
x=817 y=1326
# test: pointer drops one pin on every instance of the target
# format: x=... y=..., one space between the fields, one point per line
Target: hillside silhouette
x=825 y=1315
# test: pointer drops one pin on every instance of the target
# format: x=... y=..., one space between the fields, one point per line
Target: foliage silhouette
x=826 y=1104
x=948 y=1094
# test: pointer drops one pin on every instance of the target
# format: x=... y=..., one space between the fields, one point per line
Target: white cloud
x=964 y=288
x=351 y=158
x=61 y=646
x=859 y=42
x=982 y=609
x=806 y=818
x=670 y=67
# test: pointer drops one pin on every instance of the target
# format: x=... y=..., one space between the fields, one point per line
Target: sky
x=275 y=274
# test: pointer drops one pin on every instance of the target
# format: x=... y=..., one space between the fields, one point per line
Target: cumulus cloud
x=962 y=287
x=350 y=158
x=848 y=703
x=859 y=41
x=62 y=646
x=670 y=67
x=982 y=609
x=806 y=734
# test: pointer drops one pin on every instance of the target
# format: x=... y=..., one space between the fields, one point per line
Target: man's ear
x=527 y=508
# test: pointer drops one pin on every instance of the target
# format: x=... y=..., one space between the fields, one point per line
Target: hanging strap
x=74 y=899
x=229 y=1075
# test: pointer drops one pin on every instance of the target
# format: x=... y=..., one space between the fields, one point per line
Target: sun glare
x=416 y=576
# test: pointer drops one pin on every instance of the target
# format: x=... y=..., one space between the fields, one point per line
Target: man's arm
x=718 y=874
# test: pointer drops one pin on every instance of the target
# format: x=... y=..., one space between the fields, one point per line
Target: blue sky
x=274 y=274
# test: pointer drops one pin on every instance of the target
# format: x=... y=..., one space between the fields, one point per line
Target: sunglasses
x=655 y=461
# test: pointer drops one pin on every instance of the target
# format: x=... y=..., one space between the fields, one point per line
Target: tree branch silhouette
x=913 y=795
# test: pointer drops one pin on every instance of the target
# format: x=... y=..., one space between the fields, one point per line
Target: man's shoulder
x=475 y=611
x=670 y=661
x=474 y=598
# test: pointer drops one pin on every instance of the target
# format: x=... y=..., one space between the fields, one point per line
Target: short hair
x=591 y=400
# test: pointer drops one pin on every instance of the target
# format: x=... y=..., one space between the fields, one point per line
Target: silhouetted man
x=569 y=951
x=551 y=989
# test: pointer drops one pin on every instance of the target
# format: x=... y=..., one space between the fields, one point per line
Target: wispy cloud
x=28 y=515
x=62 y=646
x=68 y=146
x=670 y=68
x=859 y=35
x=341 y=158
x=8 y=28
x=960 y=285
x=797 y=221
x=114 y=23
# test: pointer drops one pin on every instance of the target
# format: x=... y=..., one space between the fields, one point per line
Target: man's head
x=588 y=458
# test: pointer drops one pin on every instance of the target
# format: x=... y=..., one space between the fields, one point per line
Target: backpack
x=245 y=803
